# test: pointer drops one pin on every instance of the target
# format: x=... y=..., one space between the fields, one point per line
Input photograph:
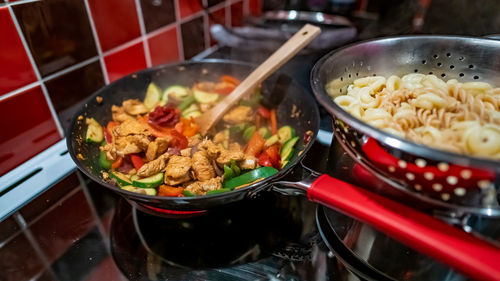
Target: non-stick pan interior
x=294 y=107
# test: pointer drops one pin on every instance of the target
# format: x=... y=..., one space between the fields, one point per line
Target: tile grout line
x=228 y=13
x=36 y=71
x=246 y=8
x=19 y=90
x=34 y=244
x=142 y=27
x=54 y=205
x=97 y=42
x=93 y=209
x=71 y=68
x=206 y=25
x=160 y=30
x=123 y=46
x=180 y=44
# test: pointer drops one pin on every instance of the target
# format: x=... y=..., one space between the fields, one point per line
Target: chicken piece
x=201 y=187
x=131 y=127
x=186 y=152
x=226 y=156
x=202 y=168
x=238 y=115
x=134 y=107
x=234 y=146
x=206 y=106
x=177 y=170
x=153 y=167
x=194 y=140
x=131 y=144
x=212 y=150
x=248 y=163
x=110 y=151
x=119 y=114
x=157 y=147
x=220 y=137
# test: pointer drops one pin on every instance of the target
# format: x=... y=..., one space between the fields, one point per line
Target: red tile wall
x=113 y=37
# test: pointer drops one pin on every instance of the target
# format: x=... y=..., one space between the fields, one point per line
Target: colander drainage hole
x=443 y=75
x=475 y=77
x=439 y=64
x=452 y=66
x=415 y=70
x=430 y=72
x=435 y=56
x=471 y=66
x=448 y=54
x=461 y=75
x=424 y=62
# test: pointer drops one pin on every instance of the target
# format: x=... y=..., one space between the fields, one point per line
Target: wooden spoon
x=291 y=47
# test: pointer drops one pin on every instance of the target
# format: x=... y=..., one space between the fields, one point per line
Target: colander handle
x=456 y=248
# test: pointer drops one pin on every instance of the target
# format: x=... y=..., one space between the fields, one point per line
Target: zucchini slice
x=175 y=91
x=149 y=191
x=285 y=133
x=287 y=149
x=149 y=182
x=94 y=131
x=248 y=133
x=265 y=132
x=153 y=96
x=204 y=97
x=121 y=179
x=194 y=114
x=272 y=140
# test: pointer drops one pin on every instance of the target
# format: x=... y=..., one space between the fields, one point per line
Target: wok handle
x=456 y=248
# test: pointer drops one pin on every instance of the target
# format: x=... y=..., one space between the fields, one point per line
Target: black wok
x=279 y=91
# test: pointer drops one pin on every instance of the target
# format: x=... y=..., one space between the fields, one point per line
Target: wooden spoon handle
x=291 y=47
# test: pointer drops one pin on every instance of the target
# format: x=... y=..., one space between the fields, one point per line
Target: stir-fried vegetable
x=154 y=147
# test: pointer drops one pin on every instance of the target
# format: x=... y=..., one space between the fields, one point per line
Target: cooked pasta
x=454 y=116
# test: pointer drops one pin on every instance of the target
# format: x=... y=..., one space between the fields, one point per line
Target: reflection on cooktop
x=271 y=237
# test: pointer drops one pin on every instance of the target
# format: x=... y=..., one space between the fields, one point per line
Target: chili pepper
x=118 y=162
x=224 y=88
x=170 y=191
x=249 y=177
x=136 y=161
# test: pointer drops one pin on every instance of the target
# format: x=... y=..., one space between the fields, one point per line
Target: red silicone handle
x=454 y=247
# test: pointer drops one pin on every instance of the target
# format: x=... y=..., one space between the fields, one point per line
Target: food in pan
x=454 y=116
x=153 y=146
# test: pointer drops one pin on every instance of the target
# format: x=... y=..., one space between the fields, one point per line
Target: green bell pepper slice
x=250 y=177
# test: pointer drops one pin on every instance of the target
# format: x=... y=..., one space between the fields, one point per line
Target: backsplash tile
x=57 y=32
x=73 y=88
x=7 y=228
x=116 y=22
x=237 y=14
x=57 y=230
x=189 y=7
x=125 y=61
x=15 y=70
x=193 y=37
x=47 y=199
x=157 y=13
x=33 y=131
x=255 y=7
x=18 y=260
x=164 y=47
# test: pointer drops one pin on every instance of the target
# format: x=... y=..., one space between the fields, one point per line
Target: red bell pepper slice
x=264 y=112
x=136 y=161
